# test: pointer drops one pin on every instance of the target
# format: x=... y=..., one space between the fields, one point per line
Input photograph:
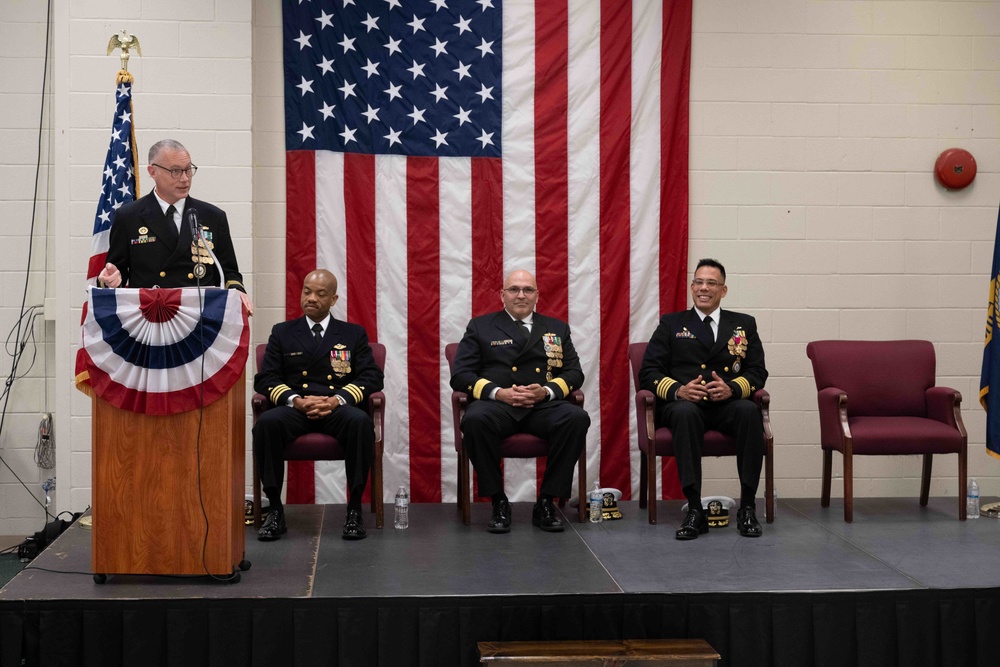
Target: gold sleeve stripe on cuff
x=663 y=386
x=233 y=283
x=562 y=385
x=744 y=386
x=477 y=390
x=278 y=391
x=355 y=393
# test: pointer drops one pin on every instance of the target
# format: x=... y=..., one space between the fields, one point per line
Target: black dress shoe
x=543 y=515
x=500 y=521
x=746 y=521
x=354 y=526
x=273 y=527
x=695 y=523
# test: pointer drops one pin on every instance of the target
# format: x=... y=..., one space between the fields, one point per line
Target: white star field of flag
x=406 y=77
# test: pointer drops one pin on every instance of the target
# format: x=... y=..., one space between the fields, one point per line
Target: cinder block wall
x=815 y=127
x=26 y=195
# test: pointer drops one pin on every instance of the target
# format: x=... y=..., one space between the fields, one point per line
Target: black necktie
x=318 y=332
x=523 y=326
x=171 y=225
x=708 y=326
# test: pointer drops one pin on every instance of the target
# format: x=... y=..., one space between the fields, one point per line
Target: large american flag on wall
x=435 y=145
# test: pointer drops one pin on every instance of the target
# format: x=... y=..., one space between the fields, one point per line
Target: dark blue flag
x=990 y=376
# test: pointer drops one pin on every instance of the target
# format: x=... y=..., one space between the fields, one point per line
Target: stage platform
x=901 y=585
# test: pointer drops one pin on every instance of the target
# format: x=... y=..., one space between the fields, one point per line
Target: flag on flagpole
x=433 y=147
x=990 y=376
x=120 y=182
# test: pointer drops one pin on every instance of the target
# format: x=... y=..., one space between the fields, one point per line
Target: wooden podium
x=147 y=514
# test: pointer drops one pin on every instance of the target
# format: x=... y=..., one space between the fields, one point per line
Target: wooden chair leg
x=376 y=490
x=925 y=479
x=581 y=487
x=963 y=472
x=465 y=492
x=460 y=484
x=256 y=493
x=769 y=484
x=848 y=486
x=651 y=486
x=827 y=472
x=642 y=479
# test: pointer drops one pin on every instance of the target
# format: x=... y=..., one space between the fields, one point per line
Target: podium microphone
x=202 y=245
x=191 y=213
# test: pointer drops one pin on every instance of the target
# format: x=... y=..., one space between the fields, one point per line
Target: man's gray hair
x=164 y=145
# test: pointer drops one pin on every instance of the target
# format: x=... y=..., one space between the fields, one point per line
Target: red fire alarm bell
x=955 y=168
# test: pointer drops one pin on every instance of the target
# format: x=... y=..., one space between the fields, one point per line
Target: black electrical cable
x=201 y=417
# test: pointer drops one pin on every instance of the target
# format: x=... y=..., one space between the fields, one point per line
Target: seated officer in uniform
x=518 y=367
x=318 y=372
x=704 y=365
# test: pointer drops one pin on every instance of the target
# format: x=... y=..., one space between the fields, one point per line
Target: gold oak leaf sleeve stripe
x=562 y=385
x=478 y=388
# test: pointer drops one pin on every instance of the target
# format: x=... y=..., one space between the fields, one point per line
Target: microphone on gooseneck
x=191 y=214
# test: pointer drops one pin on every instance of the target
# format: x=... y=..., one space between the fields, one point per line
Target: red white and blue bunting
x=162 y=351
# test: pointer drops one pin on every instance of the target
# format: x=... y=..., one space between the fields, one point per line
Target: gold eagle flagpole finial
x=124 y=41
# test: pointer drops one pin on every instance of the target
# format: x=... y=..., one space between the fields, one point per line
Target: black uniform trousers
x=562 y=424
x=688 y=422
x=351 y=426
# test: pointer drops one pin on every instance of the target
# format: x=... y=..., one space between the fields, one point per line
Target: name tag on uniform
x=498 y=343
x=684 y=334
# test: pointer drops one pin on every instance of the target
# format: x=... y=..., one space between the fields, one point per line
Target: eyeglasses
x=176 y=173
x=528 y=291
x=700 y=282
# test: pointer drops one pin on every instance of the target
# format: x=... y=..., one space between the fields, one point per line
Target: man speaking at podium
x=151 y=242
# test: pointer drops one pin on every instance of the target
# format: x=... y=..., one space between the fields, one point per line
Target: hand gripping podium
x=168 y=474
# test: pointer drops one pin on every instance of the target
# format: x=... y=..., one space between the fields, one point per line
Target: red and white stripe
x=590 y=196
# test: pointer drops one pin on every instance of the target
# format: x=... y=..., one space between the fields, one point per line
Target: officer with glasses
x=704 y=365
x=518 y=367
x=151 y=243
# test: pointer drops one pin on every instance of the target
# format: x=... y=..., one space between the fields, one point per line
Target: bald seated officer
x=518 y=368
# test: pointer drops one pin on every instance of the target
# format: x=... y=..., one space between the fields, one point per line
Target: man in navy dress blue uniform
x=704 y=373
x=318 y=372
x=518 y=367
x=151 y=244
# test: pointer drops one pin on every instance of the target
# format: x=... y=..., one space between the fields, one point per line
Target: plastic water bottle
x=972 y=500
x=402 y=519
x=596 y=503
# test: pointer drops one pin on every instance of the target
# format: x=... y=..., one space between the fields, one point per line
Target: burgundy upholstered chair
x=655 y=442
x=322 y=447
x=879 y=398
x=517 y=446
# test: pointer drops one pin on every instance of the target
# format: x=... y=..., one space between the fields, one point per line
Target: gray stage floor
x=892 y=544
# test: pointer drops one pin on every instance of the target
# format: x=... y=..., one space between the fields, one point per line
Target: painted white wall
x=814 y=130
